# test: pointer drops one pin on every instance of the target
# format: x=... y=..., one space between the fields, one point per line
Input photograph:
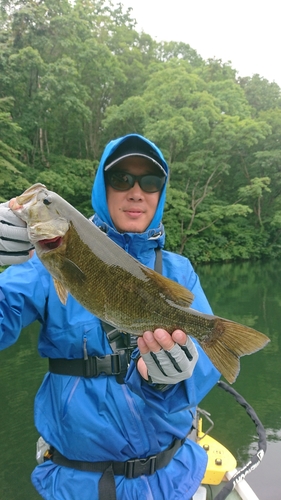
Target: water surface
x=250 y=293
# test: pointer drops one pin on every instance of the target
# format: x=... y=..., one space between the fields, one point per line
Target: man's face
x=132 y=211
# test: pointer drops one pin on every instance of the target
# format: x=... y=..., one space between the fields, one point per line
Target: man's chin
x=132 y=227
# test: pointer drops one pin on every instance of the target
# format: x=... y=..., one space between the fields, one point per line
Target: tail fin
x=230 y=341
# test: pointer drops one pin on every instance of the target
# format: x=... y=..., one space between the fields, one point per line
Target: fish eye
x=46 y=201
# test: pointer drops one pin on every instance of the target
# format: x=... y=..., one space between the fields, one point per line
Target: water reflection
x=22 y=371
x=249 y=293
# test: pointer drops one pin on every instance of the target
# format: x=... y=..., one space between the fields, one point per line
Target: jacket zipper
x=85 y=352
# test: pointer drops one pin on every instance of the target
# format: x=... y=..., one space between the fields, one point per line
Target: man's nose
x=136 y=191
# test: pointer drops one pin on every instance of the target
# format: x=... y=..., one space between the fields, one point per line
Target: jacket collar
x=141 y=246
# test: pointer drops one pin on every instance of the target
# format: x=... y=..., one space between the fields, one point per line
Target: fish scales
x=97 y=284
x=119 y=289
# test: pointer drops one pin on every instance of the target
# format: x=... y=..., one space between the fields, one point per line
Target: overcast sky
x=245 y=32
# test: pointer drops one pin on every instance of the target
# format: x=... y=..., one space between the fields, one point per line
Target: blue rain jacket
x=98 y=419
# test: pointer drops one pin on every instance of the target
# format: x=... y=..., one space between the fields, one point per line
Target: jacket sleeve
x=23 y=293
x=186 y=394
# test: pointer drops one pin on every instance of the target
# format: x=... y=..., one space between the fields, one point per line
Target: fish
x=120 y=290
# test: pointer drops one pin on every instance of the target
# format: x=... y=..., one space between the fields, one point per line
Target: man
x=117 y=432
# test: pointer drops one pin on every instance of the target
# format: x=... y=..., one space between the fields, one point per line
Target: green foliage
x=75 y=74
x=71 y=178
x=232 y=240
x=261 y=94
x=176 y=210
x=256 y=188
x=129 y=117
x=12 y=170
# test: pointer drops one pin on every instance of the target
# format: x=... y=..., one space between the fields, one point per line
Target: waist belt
x=130 y=469
x=93 y=366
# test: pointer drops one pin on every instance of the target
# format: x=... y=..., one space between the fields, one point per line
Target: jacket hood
x=99 y=201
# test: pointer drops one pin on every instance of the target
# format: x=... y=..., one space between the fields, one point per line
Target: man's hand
x=14 y=244
x=165 y=358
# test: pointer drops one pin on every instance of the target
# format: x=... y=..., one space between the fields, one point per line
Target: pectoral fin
x=68 y=268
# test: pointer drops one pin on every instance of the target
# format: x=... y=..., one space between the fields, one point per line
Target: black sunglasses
x=121 y=181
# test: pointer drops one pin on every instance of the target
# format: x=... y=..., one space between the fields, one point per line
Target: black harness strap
x=93 y=366
x=158 y=260
x=130 y=469
x=107 y=487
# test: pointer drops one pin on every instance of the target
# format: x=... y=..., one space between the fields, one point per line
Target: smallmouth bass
x=120 y=290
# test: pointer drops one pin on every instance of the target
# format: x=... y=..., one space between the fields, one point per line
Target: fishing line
x=257 y=457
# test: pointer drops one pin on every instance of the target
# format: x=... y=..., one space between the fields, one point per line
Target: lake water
x=248 y=293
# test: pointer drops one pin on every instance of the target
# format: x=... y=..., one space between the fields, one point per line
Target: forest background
x=76 y=74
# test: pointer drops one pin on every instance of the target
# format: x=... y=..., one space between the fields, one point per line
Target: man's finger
x=151 y=342
x=142 y=346
x=179 y=337
x=142 y=368
x=14 y=204
x=164 y=339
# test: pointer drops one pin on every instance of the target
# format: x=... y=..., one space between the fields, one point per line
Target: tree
x=197 y=129
x=12 y=171
x=261 y=94
x=75 y=74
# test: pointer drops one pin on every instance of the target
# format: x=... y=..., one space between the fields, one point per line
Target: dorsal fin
x=172 y=290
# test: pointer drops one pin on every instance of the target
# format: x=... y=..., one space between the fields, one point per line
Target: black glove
x=14 y=243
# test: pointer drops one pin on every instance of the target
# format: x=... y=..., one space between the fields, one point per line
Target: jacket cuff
x=158 y=387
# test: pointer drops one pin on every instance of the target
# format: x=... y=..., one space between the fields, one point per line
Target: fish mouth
x=51 y=244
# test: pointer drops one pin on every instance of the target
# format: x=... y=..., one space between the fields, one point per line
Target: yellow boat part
x=220 y=460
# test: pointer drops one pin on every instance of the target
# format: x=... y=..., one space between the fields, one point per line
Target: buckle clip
x=152 y=464
x=140 y=466
x=129 y=469
x=119 y=362
x=115 y=364
x=90 y=367
x=111 y=364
